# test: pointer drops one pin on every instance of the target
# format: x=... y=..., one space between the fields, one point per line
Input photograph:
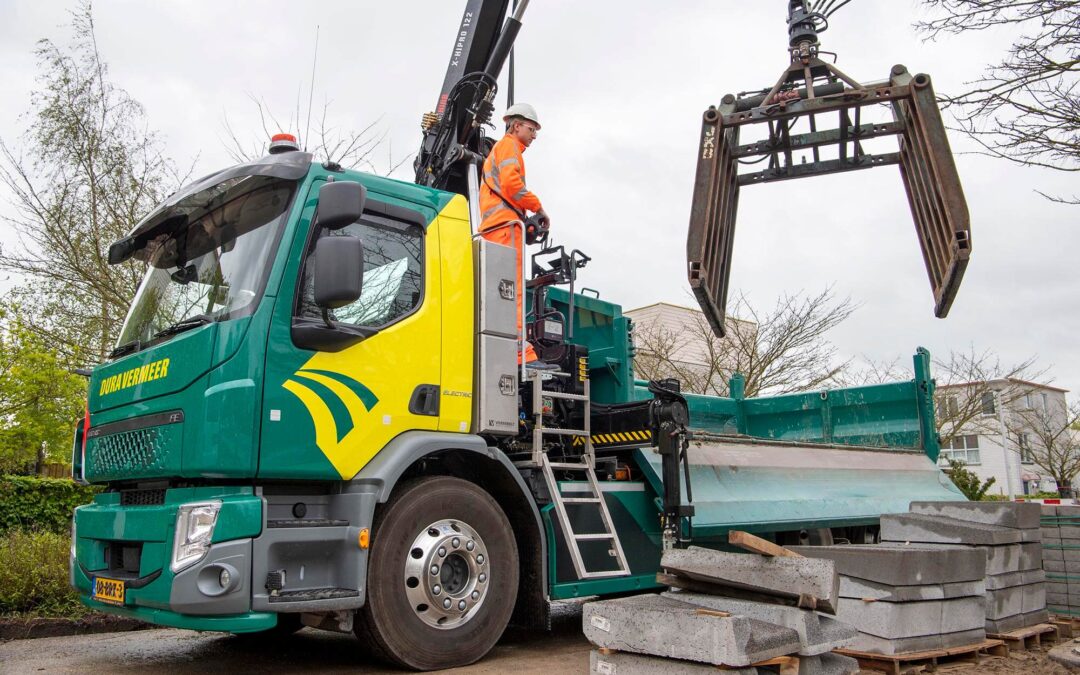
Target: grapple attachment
x=820 y=121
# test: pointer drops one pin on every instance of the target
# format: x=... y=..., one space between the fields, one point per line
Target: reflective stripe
x=494 y=209
x=521 y=193
x=512 y=160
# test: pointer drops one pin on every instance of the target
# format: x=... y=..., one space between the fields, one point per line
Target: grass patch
x=34 y=576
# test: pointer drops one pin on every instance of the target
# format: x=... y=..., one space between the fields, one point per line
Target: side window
x=393 y=274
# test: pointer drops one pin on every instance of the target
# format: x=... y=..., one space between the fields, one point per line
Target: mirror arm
x=326 y=318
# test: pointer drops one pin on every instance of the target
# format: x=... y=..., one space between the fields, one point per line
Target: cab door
x=339 y=385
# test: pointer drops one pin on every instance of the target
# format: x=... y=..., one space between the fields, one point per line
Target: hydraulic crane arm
x=453 y=134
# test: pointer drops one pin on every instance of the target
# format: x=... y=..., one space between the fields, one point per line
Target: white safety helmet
x=523 y=110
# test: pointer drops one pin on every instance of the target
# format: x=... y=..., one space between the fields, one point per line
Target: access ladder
x=586 y=467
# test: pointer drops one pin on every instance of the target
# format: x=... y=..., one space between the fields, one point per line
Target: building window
x=1046 y=403
x=988 y=406
x=962 y=448
x=949 y=406
x=1024 y=444
x=1028 y=398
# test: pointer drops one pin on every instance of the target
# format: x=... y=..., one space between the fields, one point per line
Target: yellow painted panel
x=458 y=303
x=391 y=364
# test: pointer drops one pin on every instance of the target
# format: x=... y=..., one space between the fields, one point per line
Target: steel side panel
x=762 y=487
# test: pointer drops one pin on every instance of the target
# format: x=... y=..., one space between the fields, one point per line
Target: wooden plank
x=701 y=611
x=749 y=542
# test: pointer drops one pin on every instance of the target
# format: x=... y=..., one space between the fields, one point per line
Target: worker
x=504 y=199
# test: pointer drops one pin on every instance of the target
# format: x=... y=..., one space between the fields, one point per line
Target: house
x=997 y=429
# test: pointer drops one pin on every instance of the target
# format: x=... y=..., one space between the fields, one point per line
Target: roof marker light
x=283 y=143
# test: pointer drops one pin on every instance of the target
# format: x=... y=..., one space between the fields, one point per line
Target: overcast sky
x=620 y=87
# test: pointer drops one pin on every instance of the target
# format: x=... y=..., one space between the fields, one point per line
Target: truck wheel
x=442 y=575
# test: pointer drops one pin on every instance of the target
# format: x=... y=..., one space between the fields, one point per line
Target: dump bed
x=827 y=458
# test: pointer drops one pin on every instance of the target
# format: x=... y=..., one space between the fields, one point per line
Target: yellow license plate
x=109 y=590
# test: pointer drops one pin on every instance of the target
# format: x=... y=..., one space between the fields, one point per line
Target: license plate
x=109 y=590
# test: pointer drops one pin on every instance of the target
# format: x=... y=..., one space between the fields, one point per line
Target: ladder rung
x=593 y=537
x=580 y=500
x=568 y=397
x=567 y=465
x=601 y=575
x=563 y=432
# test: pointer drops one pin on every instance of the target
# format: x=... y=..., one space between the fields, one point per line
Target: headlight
x=194 y=529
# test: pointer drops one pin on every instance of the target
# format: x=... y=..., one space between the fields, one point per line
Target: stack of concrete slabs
x=1061 y=558
x=1009 y=535
x=909 y=598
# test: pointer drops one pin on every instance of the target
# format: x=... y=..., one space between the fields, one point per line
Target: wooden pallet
x=927 y=661
x=1067 y=626
x=788 y=665
x=1032 y=637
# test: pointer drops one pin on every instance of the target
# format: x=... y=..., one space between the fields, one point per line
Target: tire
x=404 y=619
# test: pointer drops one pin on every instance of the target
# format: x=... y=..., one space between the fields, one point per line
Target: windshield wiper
x=186 y=324
x=126 y=348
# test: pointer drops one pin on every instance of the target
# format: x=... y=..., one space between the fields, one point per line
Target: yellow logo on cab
x=154 y=370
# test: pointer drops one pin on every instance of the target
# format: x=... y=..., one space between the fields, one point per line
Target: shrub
x=34 y=575
x=968 y=481
x=40 y=504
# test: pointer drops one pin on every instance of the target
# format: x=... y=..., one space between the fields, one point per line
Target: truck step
x=314 y=594
x=310 y=522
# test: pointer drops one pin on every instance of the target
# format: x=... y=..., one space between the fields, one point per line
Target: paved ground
x=309 y=651
x=174 y=652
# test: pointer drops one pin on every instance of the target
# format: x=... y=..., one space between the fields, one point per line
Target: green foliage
x=968 y=481
x=85 y=171
x=39 y=398
x=34 y=575
x=40 y=504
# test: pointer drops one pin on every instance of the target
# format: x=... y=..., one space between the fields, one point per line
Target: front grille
x=129 y=452
x=150 y=497
x=123 y=558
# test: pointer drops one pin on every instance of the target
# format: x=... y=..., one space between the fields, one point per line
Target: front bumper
x=192 y=598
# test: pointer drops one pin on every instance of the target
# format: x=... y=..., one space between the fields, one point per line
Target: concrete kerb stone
x=651 y=624
x=1018 y=621
x=1009 y=579
x=851 y=587
x=620 y=663
x=1017 y=515
x=779 y=576
x=913 y=527
x=902 y=564
x=897 y=620
x=878 y=645
x=818 y=634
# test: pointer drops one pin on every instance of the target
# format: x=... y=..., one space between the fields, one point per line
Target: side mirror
x=339 y=271
x=340 y=203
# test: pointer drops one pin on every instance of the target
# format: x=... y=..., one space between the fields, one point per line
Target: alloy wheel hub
x=447 y=574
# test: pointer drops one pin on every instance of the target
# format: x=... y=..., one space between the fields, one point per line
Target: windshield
x=212 y=263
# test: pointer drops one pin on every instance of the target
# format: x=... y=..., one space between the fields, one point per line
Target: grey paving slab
x=1010 y=579
x=1048 y=565
x=1004 y=602
x=1048 y=510
x=1031 y=535
x=1068 y=511
x=650 y=624
x=818 y=633
x=1050 y=533
x=1030 y=556
x=902 y=564
x=619 y=663
x=1018 y=621
x=779 y=576
x=879 y=645
x=1016 y=515
x=1034 y=597
x=999 y=559
x=914 y=527
x=1069 y=532
x=851 y=587
x=828 y=664
x=894 y=620
x=1062 y=598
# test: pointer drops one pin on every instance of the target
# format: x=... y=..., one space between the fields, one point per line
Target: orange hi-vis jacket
x=504 y=171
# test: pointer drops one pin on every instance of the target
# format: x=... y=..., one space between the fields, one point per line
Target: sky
x=620 y=88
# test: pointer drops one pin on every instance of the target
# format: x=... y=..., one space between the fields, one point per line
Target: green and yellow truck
x=314 y=415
